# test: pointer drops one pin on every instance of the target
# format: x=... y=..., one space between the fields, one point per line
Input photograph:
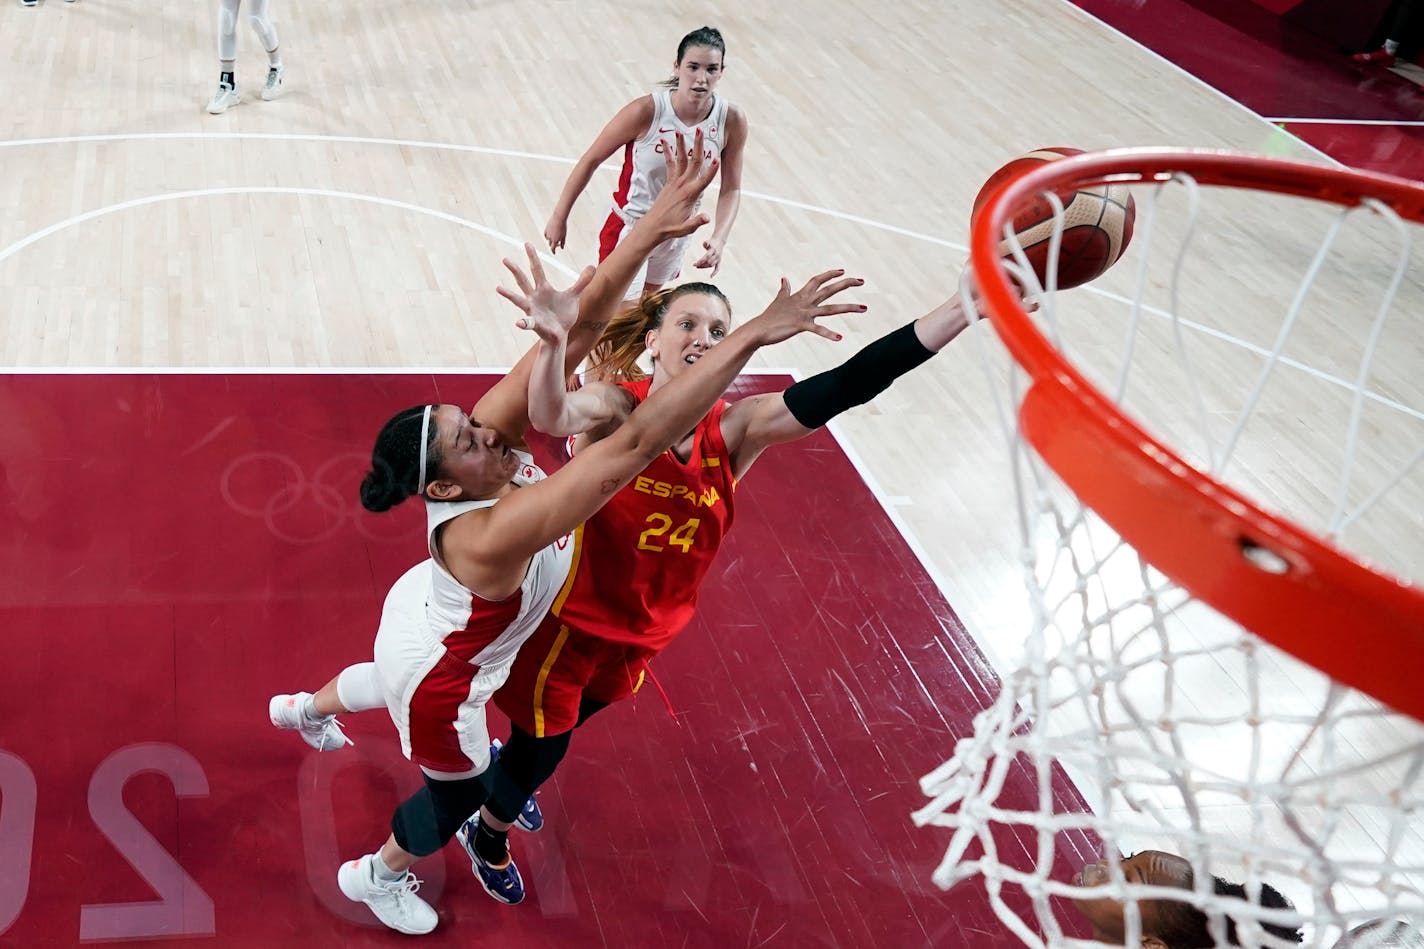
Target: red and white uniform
x=442 y=650
x=641 y=561
x=644 y=174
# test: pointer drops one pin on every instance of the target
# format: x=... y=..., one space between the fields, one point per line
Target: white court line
x=1276 y=129
x=86 y=216
x=473 y=149
x=1381 y=122
x=557 y=265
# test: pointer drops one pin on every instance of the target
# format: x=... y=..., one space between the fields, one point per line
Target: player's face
x=693 y=324
x=698 y=71
x=1148 y=868
x=473 y=456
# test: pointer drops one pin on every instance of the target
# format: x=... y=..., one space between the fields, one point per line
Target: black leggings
x=526 y=762
x=425 y=821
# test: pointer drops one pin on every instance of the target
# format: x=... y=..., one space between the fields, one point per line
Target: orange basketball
x=1097 y=222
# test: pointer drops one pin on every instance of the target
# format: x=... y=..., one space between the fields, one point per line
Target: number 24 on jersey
x=658 y=539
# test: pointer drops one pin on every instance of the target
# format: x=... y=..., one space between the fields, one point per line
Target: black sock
x=227 y=77
x=492 y=845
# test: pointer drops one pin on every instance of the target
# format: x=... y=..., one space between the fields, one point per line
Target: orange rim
x=1358 y=625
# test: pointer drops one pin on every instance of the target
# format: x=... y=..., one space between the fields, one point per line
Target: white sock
x=384 y=874
x=309 y=715
x=1391 y=46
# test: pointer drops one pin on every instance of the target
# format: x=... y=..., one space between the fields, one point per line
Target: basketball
x=1097 y=222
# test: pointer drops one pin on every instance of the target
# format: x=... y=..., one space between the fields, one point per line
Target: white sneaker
x=323 y=734
x=272 y=88
x=29 y=3
x=222 y=100
x=394 y=904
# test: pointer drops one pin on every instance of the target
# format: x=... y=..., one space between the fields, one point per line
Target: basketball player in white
x=261 y=20
x=687 y=102
x=500 y=539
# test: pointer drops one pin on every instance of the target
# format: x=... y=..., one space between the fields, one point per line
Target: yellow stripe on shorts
x=549 y=661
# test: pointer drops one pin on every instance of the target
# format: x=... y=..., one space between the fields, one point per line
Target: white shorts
x=436 y=701
x=663 y=264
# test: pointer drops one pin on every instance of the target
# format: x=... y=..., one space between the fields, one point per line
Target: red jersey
x=645 y=553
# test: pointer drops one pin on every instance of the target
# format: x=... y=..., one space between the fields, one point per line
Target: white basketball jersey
x=483 y=632
x=644 y=171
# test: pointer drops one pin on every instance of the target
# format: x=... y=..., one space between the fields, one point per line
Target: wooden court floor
x=357 y=223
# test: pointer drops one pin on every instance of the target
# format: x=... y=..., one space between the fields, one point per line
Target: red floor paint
x=179 y=548
x=1281 y=71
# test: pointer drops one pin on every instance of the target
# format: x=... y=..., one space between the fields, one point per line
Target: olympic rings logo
x=274 y=488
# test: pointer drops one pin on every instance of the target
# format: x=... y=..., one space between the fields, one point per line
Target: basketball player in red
x=686 y=103
x=414 y=455
x=640 y=561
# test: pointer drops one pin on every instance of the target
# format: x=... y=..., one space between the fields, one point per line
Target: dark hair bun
x=378 y=490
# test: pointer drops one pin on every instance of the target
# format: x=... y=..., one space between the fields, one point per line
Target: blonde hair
x=615 y=357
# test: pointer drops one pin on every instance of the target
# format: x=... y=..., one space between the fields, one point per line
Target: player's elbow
x=545 y=420
x=559 y=426
x=642 y=443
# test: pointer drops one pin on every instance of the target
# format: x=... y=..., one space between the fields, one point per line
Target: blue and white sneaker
x=503 y=883
x=531 y=818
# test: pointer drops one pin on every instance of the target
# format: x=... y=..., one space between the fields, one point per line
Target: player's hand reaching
x=548 y=312
x=555 y=232
x=793 y=313
x=689 y=172
x=713 y=256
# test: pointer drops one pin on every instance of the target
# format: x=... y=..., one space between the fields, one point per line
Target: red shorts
x=608 y=237
x=663 y=265
x=557 y=667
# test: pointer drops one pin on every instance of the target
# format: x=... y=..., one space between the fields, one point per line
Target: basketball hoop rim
x=1357 y=624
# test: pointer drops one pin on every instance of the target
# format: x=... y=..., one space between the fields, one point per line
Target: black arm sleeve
x=817 y=400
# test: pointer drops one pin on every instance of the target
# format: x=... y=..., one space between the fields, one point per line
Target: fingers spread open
x=519 y=277
x=821 y=278
x=831 y=289
x=536 y=266
x=518 y=299
x=708 y=173
x=834 y=309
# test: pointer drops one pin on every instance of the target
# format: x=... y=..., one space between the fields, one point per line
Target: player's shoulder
x=642 y=107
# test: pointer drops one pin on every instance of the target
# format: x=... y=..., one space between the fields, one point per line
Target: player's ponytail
x=624 y=340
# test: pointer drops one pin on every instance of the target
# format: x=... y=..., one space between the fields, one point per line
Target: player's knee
x=414 y=824
x=425 y=821
x=507 y=794
x=265 y=29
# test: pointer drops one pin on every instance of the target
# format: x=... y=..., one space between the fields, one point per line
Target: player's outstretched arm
x=505 y=407
x=550 y=314
x=751 y=425
x=541 y=513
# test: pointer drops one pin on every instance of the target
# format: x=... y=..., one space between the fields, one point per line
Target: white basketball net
x=1184 y=732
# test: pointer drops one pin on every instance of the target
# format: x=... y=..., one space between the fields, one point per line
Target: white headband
x=424 y=436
